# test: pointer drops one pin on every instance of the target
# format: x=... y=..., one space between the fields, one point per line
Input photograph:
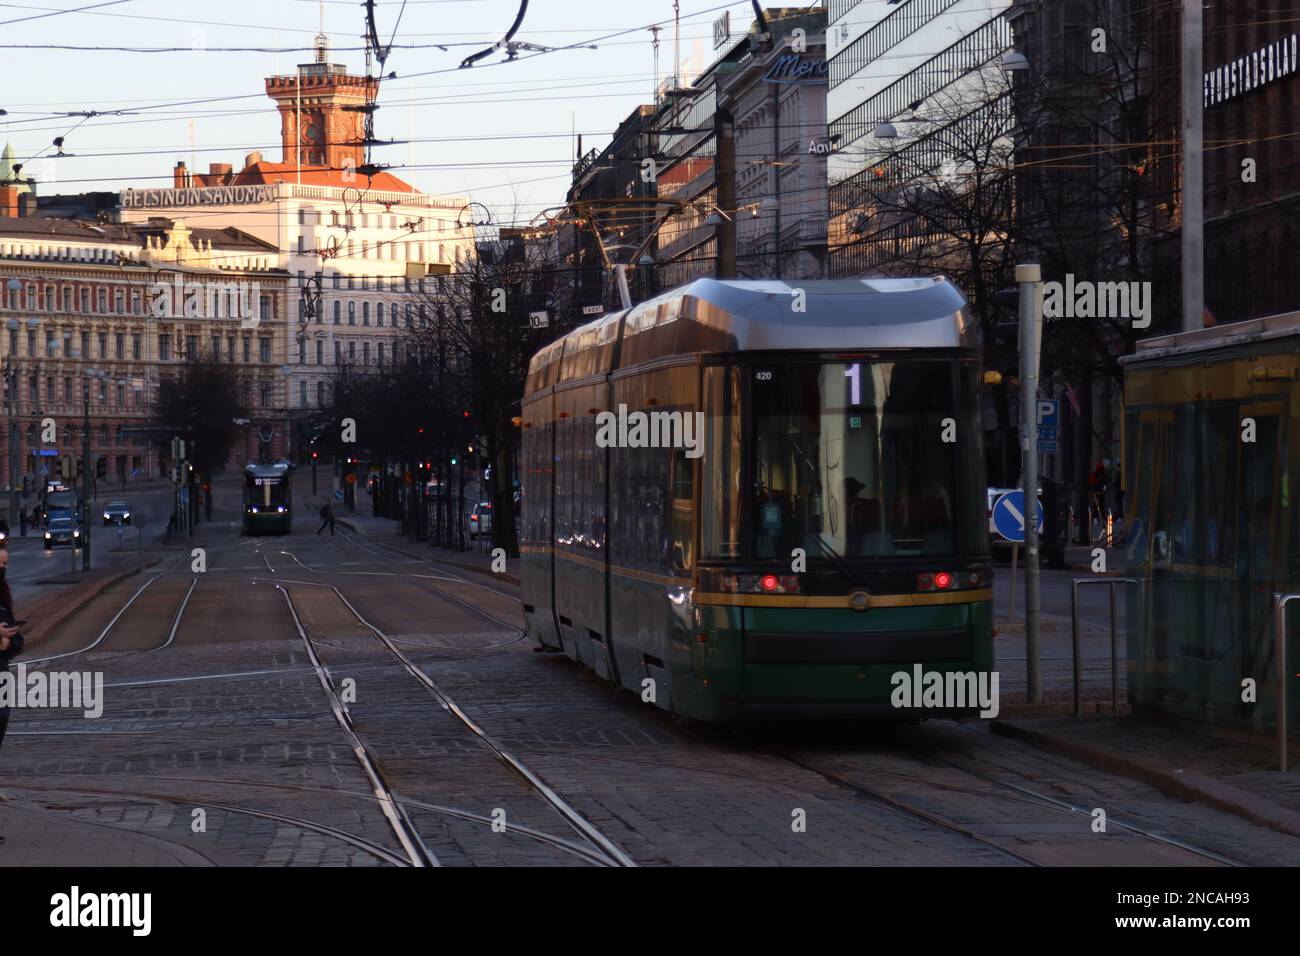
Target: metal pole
x=1030 y=278
x=11 y=385
x=1193 y=213
x=1074 y=639
x=1011 y=604
x=1114 y=654
x=85 y=477
x=1279 y=634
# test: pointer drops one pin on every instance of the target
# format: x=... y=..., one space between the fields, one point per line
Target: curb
x=68 y=601
x=1184 y=784
x=1091 y=708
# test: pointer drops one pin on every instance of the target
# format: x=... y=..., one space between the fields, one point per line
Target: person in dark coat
x=326 y=518
x=11 y=641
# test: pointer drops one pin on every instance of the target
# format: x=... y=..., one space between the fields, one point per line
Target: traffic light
x=454 y=459
x=315 y=455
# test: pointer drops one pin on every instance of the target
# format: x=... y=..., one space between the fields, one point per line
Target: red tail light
x=769 y=582
x=943 y=580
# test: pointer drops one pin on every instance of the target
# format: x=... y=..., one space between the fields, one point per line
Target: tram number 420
x=763 y=375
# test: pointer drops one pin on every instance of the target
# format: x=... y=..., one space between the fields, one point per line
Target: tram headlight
x=253 y=509
x=279 y=509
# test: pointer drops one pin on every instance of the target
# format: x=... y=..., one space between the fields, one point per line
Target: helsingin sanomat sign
x=198 y=196
x=1258 y=68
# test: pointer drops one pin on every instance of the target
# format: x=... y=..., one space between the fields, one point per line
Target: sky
x=500 y=133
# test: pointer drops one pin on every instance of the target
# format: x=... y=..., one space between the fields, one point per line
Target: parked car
x=62 y=531
x=116 y=511
x=480 y=519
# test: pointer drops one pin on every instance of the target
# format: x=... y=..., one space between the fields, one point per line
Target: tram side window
x=721 y=464
x=681 y=550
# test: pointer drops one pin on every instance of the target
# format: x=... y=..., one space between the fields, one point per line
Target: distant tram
x=268 y=498
x=825 y=529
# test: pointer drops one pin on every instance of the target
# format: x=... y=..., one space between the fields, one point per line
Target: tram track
x=602 y=846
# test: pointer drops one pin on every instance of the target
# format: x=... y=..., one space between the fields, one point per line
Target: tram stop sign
x=1009 y=516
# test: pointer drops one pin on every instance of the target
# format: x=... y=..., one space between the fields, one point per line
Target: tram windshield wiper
x=841 y=565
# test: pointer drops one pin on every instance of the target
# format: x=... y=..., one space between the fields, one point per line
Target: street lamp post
x=86 y=463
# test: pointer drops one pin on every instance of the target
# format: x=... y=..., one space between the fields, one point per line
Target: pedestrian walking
x=326 y=518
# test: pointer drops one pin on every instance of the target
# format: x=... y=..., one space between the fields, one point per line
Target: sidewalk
x=1219 y=767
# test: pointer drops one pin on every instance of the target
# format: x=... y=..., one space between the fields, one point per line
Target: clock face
x=311 y=132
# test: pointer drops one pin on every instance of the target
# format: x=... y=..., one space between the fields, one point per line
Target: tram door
x=1264 y=509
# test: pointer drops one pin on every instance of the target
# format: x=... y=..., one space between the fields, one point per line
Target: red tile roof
x=265 y=172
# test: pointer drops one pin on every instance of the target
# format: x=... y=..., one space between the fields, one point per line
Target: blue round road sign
x=1009 y=516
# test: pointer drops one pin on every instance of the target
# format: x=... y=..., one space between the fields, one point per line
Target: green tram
x=268 y=498
x=823 y=529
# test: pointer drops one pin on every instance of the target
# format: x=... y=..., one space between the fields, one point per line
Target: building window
x=67 y=299
x=352 y=313
x=101 y=298
x=266 y=394
x=85 y=300
x=365 y=353
x=379 y=314
x=191 y=347
x=33 y=389
x=103 y=345
x=136 y=343
x=352 y=352
x=320 y=351
x=216 y=348
x=338 y=352
x=302 y=394
x=121 y=395
x=264 y=349
x=13 y=341
x=164 y=348
x=31 y=342
x=320 y=394
x=67 y=390
x=338 y=311
x=379 y=353
x=248 y=349
x=410 y=321
x=302 y=351
x=365 y=313
x=85 y=345
x=119 y=301
x=103 y=397
x=119 y=343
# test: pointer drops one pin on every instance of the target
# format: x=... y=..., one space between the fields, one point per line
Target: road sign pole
x=1030 y=279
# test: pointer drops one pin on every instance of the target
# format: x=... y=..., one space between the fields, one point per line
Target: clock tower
x=322 y=115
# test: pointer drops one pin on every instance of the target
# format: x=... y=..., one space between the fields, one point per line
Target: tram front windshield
x=267 y=493
x=866 y=459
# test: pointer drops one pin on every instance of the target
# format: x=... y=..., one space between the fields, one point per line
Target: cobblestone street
x=347 y=701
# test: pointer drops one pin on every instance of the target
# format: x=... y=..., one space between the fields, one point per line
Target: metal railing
x=1280 y=602
x=1114 y=649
